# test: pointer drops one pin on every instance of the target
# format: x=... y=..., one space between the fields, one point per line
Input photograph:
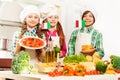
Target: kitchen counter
x=40 y=76
x=9 y=74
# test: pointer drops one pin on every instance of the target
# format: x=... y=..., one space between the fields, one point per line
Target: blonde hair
x=39 y=34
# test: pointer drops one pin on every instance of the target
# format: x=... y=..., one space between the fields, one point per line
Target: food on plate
x=88 y=50
x=32 y=42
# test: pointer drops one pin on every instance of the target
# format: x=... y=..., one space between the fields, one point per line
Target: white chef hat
x=28 y=10
x=89 y=8
x=49 y=10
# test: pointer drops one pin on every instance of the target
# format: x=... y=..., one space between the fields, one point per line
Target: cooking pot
x=4 y=43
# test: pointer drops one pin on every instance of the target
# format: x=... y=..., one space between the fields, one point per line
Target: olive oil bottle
x=50 y=54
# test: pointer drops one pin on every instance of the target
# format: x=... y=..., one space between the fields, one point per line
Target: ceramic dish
x=32 y=43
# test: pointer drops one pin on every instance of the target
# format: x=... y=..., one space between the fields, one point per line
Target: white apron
x=33 y=56
x=55 y=41
x=82 y=39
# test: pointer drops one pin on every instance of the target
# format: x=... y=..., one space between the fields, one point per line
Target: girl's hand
x=17 y=41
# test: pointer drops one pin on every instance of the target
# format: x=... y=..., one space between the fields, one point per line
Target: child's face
x=32 y=20
x=53 y=20
x=88 y=19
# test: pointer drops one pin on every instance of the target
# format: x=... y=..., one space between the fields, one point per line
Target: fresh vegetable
x=55 y=73
x=20 y=63
x=115 y=61
x=110 y=72
x=57 y=49
x=93 y=72
x=80 y=70
x=75 y=58
x=101 y=66
x=117 y=71
x=68 y=71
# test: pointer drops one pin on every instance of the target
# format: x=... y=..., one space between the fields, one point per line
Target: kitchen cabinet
x=5 y=60
x=9 y=74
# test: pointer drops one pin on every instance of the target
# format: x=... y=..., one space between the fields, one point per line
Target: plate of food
x=88 y=49
x=32 y=42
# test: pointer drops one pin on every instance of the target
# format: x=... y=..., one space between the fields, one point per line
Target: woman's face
x=89 y=19
x=32 y=20
x=53 y=20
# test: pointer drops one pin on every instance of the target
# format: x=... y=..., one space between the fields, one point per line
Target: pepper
x=80 y=70
x=68 y=71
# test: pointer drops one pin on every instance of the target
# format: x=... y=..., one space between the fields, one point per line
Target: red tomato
x=117 y=71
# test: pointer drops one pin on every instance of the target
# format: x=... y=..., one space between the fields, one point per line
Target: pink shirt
x=54 y=33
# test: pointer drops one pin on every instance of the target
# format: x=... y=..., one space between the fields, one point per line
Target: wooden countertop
x=9 y=74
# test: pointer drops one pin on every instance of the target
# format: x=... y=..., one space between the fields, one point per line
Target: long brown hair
x=39 y=34
x=59 y=32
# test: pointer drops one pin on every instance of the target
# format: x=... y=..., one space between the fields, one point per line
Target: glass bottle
x=50 y=54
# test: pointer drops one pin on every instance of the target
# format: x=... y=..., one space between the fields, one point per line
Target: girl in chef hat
x=86 y=35
x=30 y=18
x=51 y=16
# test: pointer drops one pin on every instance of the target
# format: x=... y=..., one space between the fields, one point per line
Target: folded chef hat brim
x=28 y=10
x=89 y=8
x=48 y=10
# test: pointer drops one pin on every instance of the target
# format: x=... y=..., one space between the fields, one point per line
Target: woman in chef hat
x=51 y=16
x=86 y=35
x=30 y=18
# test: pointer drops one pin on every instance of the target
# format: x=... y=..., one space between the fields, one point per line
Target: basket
x=88 y=52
